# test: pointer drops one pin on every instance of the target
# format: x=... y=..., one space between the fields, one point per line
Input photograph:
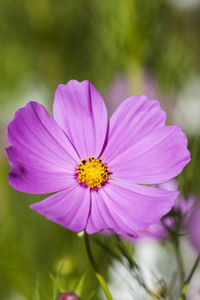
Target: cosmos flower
x=194 y=225
x=100 y=169
x=176 y=221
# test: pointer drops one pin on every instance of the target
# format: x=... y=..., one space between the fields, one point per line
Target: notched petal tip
x=73 y=83
x=18 y=172
x=16 y=177
x=186 y=155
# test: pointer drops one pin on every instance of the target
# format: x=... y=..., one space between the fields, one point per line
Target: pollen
x=92 y=172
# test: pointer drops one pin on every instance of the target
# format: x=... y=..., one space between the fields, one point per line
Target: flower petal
x=42 y=158
x=68 y=208
x=127 y=208
x=134 y=119
x=80 y=111
x=100 y=218
x=157 y=158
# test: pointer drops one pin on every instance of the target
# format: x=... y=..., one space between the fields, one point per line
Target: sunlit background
x=124 y=48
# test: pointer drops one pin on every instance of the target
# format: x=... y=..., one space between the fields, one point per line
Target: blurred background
x=124 y=48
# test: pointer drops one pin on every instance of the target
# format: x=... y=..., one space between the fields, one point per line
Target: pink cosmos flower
x=194 y=227
x=176 y=221
x=98 y=168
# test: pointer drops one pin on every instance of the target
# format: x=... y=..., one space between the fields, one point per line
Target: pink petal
x=42 y=158
x=127 y=208
x=134 y=119
x=80 y=110
x=68 y=208
x=157 y=158
x=100 y=218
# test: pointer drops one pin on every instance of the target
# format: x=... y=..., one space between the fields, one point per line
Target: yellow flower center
x=92 y=172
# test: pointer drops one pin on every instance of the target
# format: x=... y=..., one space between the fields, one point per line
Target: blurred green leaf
x=57 y=284
x=78 y=288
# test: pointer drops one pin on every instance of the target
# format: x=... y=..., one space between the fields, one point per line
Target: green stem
x=187 y=281
x=95 y=268
x=179 y=258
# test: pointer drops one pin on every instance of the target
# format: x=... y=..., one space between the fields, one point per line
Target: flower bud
x=68 y=296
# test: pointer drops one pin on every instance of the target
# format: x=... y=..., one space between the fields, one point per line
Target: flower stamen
x=92 y=172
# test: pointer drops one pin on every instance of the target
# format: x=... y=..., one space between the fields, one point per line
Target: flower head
x=99 y=169
x=194 y=227
x=176 y=220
